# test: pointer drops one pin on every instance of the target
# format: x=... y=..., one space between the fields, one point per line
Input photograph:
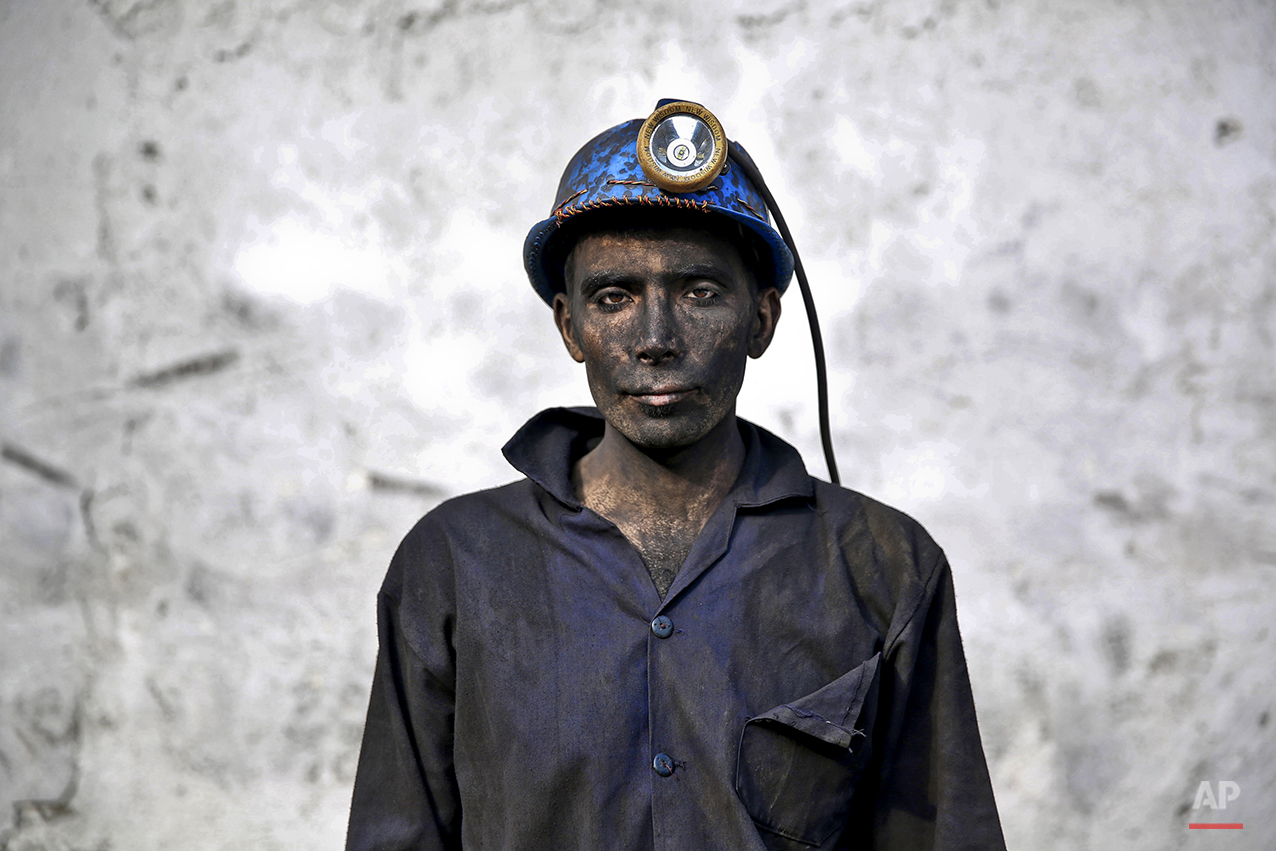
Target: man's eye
x=702 y=293
x=611 y=298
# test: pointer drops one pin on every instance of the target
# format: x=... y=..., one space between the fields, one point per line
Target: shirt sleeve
x=932 y=785
x=405 y=791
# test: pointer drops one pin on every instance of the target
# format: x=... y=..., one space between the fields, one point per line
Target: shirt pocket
x=798 y=763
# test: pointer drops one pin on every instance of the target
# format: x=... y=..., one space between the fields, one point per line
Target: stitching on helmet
x=613 y=182
x=564 y=213
x=745 y=205
x=569 y=199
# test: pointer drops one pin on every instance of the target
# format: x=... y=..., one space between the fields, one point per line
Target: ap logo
x=1205 y=797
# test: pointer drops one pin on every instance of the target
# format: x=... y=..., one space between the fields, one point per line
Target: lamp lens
x=682 y=143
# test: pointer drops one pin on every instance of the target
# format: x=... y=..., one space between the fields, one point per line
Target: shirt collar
x=545 y=448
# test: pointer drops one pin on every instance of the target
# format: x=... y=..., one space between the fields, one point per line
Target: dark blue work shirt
x=801 y=686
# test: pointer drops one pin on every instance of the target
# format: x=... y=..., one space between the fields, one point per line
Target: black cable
x=744 y=161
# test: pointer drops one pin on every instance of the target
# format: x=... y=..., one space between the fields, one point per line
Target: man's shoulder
x=463 y=530
x=894 y=563
x=854 y=506
x=899 y=541
x=480 y=510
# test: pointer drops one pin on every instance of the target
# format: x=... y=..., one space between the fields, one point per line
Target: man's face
x=663 y=324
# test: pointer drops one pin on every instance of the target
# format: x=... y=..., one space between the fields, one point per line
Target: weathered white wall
x=261 y=305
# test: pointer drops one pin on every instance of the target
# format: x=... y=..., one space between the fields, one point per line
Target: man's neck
x=618 y=472
x=660 y=499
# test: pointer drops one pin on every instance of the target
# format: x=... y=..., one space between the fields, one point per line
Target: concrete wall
x=261 y=305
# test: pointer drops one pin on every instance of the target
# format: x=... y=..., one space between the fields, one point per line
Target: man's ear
x=563 y=319
x=766 y=315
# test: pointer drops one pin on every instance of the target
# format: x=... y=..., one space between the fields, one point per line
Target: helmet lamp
x=681 y=147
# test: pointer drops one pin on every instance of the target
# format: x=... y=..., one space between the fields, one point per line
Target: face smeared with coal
x=664 y=321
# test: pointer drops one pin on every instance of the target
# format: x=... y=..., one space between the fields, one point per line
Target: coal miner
x=668 y=634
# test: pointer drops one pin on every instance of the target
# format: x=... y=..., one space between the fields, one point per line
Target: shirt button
x=662 y=627
x=663 y=764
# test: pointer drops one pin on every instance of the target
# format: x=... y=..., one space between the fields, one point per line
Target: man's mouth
x=662 y=396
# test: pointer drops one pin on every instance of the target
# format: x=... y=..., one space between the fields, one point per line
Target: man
x=668 y=635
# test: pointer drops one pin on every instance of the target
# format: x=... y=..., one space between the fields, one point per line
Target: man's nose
x=658 y=337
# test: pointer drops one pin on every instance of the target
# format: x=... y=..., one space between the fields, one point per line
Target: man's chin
x=660 y=412
x=663 y=429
